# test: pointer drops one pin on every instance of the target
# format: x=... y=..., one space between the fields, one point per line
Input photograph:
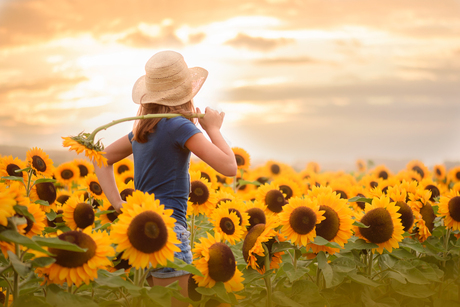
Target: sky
x=299 y=80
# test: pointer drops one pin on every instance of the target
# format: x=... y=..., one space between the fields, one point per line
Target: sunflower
x=9 y=166
x=419 y=167
x=93 y=151
x=77 y=213
x=216 y=262
x=144 y=232
x=336 y=225
x=206 y=172
x=429 y=184
x=66 y=172
x=108 y=217
x=361 y=165
x=257 y=214
x=313 y=166
x=45 y=191
x=299 y=219
x=123 y=165
x=408 y=175
x=274 y=169
x=125 y=177
x=370 y=182
x=39 y=161
x=381 y=171
x=7 y=203
x=253 y=245
x=84 y=166
x=79 y=267
x=202 y=198
x=341 y=187
x=385 y=228
x=93 y=186
x=449 y=207
x=62 y=196
x=288 y=186
x=238 y=207
x=243 y=160
x=439 y=172
x=399 y=196
x=454 y=174
x=34 y=227
x=224 y=195
x=227 y=224
x=271 y=196
x=126 y=189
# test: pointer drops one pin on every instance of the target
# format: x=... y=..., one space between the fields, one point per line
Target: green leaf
x=359 y=244
x=280 y=299
x=294 y=274
x=360 y=225
x=114 y=281
x=104 y=212
x=22 y=210
x=51 y=215
x=43 y=261
x=55 y=242
x=42 y=180
x=281 y=246
x=323 y=242
x=380 y=302
x=360 y=199
x=221 y=293
x=55 y=296
x=322 y=260
x=363 y=280
x=13 y=178
x=250 y=275
x=412 y=290
x=30 y=300
x=182 y=265
x=410 y=272
x=343 y=264
x=42 y=202
x=21 y=268
x=14 y=237
x=159 y=295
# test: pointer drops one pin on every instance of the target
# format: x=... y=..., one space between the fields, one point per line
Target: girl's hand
x=211 y=120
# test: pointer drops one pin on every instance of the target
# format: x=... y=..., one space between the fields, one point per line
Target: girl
x=162 y=147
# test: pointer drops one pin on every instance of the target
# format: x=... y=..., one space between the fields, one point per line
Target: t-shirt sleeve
x=131 y=136
x=182 y=130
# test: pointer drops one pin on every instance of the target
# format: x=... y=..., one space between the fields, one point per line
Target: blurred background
x=326 y=81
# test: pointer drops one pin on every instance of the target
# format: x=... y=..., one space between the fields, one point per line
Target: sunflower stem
x=126 y=119
x=370 y=262
x=267 y=278
x=29 y=179
x=446 y=245
x=192 y=231
x=7 y=296
x=318 y=278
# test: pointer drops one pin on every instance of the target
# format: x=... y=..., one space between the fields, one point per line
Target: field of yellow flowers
x=271 y=236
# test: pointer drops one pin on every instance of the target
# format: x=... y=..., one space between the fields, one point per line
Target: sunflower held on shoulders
x=81 y=143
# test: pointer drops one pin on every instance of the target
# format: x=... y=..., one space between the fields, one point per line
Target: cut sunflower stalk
x=84 y=142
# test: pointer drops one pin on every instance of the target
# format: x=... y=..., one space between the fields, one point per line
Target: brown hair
x=143 y=127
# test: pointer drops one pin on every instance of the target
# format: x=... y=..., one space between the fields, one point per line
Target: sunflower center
x=56 y=220
x=407 y=217
x=122 y=263
x=251 y=239
x=112 y=216
x=256 y=216
x=286 y=190
x=374 y=184
x=238 y=214
x=263 y=180
x=95 y=187
x=38 y=163
x=457 y=175
x=275 y=169
x=67 y=174
x=428 y=216
x=434 y=191
x=221 y=263
x=83 y=170
x=419 y=170
x=342 y=194
x=454 y=208
x=329 y=227
x=302 y=220
x=361 y=204
x=220 y=179
x=83 y=215
x=147 y=232
x=239 y=160
x=46 y=191
x=70 y=259
x=384 y=175
x=275 y=201
x=227 y=226
x=438 y=172
x=200 y=193
x=128 y=179
x=62 y=199
x=205 y=176
x=11 y=170
x=122 y=168
x=380 y=225
x=221 y=201
x=126 y=192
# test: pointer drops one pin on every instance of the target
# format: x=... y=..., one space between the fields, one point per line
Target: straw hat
x=168 y=80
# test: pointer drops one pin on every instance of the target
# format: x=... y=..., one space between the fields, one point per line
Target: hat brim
x=172 y=97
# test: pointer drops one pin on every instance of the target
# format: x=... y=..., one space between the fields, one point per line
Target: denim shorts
x=185 y=254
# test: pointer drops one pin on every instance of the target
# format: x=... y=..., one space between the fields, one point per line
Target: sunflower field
x=271 y=236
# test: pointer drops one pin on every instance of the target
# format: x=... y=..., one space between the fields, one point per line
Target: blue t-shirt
x=161 y=165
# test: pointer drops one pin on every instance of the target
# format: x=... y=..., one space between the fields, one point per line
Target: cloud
x=196 y=38
x=139 y=39
x=304 y=60
x=42 y=84
x=257 y=43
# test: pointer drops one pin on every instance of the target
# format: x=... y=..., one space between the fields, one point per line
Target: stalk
x=370 y=263
x=126 y=119
x=267 y=279
x=192 y=231
x=16 y=275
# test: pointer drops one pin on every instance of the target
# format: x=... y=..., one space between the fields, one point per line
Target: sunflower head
x=39 y=161
x=202 y=198
x=82 y=143
x=242 y=158
x=71 y=259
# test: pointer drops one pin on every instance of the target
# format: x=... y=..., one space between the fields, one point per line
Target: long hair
x=143 y=127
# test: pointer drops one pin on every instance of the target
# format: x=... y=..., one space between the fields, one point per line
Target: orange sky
x=324 y=80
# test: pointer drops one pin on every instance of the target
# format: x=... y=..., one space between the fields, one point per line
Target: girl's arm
x=116 y=151
x=216 y=153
